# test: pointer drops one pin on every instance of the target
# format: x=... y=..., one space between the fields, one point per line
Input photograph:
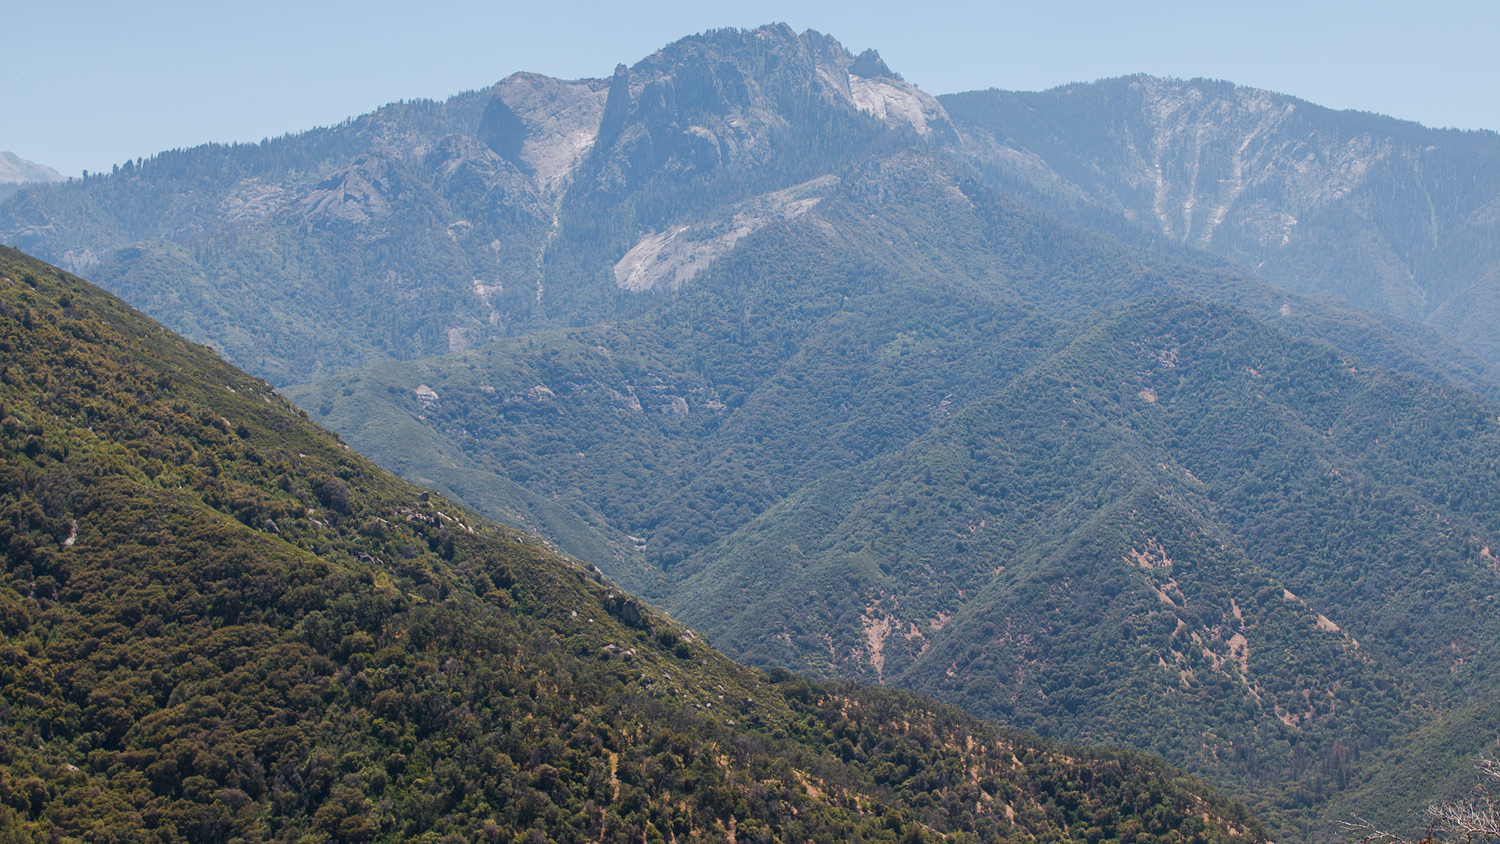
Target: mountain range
x=1145 y=412
x=430 y=227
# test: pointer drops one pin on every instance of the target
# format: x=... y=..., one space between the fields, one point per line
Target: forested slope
x=221 y=624
x=788 y=453
x=1183 y=532
x=815 y=344
x=750 y=326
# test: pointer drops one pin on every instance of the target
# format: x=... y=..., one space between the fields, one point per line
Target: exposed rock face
x=358 y=197
x=79 y=260
x=1355 y=205
x=251 y=200
x=503 y=131
x=869 y=65
x=900 y=104
x=670 y=259
x=553 y=124
x=1182 y=154
x=876 y=90
x=721 y=100
x=693 y=108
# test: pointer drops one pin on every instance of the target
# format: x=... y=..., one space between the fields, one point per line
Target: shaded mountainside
x=1439 y=759
x=221 y=624
x=812 y=346
x=1182 y=533
x=1383 y=213
x=398 y=224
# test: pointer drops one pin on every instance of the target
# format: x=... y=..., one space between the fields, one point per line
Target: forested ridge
x=1143 y=544
x=221 y=624
x=845 y=464
x=428 y=227
x=425 y=227
x=345 y=219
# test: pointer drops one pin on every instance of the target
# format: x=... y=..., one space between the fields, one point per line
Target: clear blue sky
x=84 y=85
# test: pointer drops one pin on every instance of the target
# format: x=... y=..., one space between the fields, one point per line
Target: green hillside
x=873 y=463
x=344 y=220
x=813 y=346
x=1183 y=533
x=1436 y=763
x=221 y=624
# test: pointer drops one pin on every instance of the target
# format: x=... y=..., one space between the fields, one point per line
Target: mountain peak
x=870 y=66
x=15 y=169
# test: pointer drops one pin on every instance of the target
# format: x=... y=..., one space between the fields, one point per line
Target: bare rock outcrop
x=669 y=259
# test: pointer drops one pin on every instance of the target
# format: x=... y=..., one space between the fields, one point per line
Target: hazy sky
x=84 y=85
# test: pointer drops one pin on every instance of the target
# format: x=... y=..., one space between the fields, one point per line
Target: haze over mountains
x=1382 y=213
x=14 y=169
x=450 y=207
x=16 y=172
x=1147 y=412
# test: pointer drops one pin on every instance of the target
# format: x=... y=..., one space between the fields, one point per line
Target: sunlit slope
x=1185 y=532
x=220 y=623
